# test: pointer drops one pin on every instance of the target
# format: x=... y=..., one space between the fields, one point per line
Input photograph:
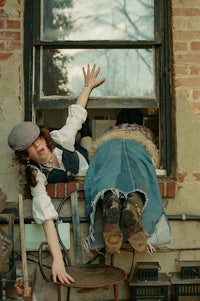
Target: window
x=128 y=39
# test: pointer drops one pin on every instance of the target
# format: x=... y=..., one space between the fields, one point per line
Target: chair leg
x=58 y=292
x=68 y=293
x=116 y=291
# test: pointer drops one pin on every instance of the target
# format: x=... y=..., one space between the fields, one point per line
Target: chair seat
x=91 y=276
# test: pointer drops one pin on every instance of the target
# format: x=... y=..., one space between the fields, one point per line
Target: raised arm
x=91 y=82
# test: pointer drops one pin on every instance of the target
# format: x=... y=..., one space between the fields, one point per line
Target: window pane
x=128 y=72
x=97 y=20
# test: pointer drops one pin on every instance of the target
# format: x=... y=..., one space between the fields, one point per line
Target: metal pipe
x=183 y=217
x=178 y=217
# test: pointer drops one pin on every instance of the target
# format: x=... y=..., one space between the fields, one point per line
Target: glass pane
x=128 y=72
x=97 y=20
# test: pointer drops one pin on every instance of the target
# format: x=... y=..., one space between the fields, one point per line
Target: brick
x=2 y=2
x=186 y=58
x=194 y=23
x=181 y=70
x=2 y=46
x=2 y=23
x=72 y=187
x=180 y=46
x=81 y=183
x=196 y=94
x=60 y=191
x=9 y=35
x=194 y=2
x=185 y=82
x=51 y=190
x=13 y=24
x=13 y=45
x=161 y=187
x=181 y=176
x=81 y=195
x=167 y=188
x=197 y=176
x=195 y=70
x=3 y=14
x=187 y=12
x=184 y=35
x=178 y=2
x=5 y=56
x=171 y=189
x=195 y=46
x=179 y=23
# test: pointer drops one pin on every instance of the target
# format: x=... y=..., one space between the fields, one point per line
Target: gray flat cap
x=22 y=135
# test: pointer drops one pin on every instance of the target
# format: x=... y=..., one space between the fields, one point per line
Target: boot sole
x=113 y=241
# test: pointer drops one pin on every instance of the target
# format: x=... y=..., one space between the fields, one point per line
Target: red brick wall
x=186 y=43
x=186 y=49
x=10 y=36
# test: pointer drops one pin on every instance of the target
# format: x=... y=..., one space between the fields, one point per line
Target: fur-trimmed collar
x=131 y=132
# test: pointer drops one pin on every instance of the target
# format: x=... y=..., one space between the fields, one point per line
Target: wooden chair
x=88 y=275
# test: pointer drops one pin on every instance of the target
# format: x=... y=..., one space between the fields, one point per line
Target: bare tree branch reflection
x=102 y=20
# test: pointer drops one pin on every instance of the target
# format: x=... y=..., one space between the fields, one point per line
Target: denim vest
x=70 y=161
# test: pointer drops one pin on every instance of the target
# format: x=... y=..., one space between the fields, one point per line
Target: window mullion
x=36 y=21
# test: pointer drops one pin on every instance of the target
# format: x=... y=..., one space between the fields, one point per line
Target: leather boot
x=131 y=218
x=112 y=234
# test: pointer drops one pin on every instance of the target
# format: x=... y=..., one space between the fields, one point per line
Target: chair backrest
x=74 y=200
x=76 y=227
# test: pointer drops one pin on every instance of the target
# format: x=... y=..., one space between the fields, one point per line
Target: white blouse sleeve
x=43 y=209
x=67 y=134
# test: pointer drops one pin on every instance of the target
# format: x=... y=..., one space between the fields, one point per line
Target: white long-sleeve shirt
x=42 y=207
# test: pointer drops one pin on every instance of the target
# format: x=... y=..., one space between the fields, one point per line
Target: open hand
x=60 y=274
x=90 y=76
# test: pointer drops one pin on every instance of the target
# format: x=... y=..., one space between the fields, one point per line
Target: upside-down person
x=123 y=200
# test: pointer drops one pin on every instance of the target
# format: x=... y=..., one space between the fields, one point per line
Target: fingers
x=101 y=81
x=97 y=71
x=94 y=71
x=63 y=278
x=84 y=73
x=90 y=76
x=93 y=68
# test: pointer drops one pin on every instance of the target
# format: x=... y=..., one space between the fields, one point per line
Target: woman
x=123 y=200
x=53 y=157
